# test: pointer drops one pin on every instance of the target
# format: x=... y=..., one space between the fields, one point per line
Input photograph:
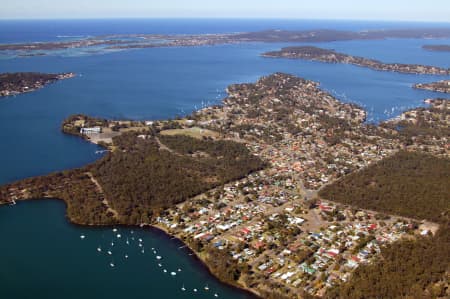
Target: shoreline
x=201 y=262
x=143 y=40
x=154 y=228
x=299 y=85
x=312 y=53
x=13 y=84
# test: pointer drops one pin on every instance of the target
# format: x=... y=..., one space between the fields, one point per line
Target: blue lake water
x=43 y=255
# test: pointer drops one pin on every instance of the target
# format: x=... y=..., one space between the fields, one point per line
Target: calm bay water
x=46 y=258
x=42 y=255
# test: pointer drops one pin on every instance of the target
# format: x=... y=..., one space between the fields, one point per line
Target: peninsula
x=137 y=41
x=239 y=182
x=16 y=83
x=440 y=86
x=331 y=56
x=438 y=48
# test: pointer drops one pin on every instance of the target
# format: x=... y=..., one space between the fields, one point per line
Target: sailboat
x=183 y=288
x=206 y=288
x=128 y=242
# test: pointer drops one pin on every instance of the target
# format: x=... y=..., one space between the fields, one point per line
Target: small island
x=440 y=86
x=437 y=48
x=331 y=56
x=17 y=83
x=269 y=188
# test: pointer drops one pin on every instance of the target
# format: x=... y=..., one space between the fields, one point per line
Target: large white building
x=93 y=130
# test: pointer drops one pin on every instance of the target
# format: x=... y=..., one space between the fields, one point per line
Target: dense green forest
x=23 y=79
x=13 y=83
x=84 y=202
x=141 y=177
x=406 y=269
x=409 y=184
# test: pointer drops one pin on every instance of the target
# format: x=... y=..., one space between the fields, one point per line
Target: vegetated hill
x=331 y=56
x=410 y=184
x=405 y=269
x=439 y=48
x=326 y=35
x=140 y=177
x=15 y=83
x=24 y=78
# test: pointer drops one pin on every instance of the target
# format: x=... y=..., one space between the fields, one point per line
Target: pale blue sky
x=407 y=10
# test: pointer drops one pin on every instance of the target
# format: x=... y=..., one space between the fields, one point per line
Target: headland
x=440 y=86
x=239 y=183
x=331 y=56
x=437 y=48
x=17 y=83
x=139 y=41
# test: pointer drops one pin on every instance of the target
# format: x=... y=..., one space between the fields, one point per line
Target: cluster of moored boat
x=128 y=240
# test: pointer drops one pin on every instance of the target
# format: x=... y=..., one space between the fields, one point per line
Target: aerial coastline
x=440 y=86
x=256 y=115
x=437 y=48
x=227 y=150
x=140 y=41
x=12 y=84
x=331 y=56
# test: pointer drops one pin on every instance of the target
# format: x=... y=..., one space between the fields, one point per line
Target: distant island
x=17 y=83
x=331 y=56
x=281 y=190
x=137 y=41
x=437 y=48
x=440 y=86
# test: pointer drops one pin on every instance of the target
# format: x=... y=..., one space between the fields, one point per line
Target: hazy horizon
x=435 y=11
